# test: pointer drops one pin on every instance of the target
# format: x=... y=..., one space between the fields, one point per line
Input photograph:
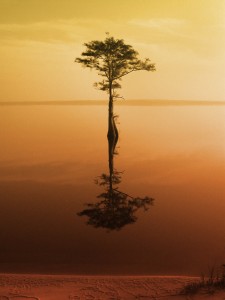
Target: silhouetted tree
x=113 y=59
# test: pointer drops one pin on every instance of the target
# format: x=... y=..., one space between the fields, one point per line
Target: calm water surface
x=50 y=158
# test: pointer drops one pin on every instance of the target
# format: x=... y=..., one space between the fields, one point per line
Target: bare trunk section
x=112 y=130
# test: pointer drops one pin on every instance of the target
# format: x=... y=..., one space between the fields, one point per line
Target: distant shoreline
x=118 y=102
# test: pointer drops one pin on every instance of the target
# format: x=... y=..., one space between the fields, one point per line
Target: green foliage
x=113 y=59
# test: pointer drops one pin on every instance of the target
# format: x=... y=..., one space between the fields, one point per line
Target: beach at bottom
x=73 y=287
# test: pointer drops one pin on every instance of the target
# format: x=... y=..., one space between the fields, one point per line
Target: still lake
x=50 y=159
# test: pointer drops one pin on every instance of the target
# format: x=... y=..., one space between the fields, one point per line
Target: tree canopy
x=113 y=59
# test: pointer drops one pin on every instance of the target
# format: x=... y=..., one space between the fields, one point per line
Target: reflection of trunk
x=111 y=148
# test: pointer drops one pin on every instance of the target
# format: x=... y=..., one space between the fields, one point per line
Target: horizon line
x=144 y=102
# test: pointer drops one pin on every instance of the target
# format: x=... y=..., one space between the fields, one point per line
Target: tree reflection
x=114 y=209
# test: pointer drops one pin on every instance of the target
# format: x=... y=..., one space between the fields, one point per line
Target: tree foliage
x=113 y=59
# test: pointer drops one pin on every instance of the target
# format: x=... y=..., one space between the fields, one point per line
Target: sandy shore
x=70 y=287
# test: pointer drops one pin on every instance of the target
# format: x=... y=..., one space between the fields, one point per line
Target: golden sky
x=40 y=39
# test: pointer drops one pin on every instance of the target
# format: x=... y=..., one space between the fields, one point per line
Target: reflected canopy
x=114 y=208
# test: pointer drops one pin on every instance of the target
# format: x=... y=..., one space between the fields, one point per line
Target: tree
x=113 y=59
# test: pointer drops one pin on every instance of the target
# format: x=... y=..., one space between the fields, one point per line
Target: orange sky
x=40 y=39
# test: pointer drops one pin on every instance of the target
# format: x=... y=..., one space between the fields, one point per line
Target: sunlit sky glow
x=41 y=38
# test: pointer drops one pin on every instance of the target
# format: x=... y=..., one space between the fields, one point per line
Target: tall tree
x=113 y=59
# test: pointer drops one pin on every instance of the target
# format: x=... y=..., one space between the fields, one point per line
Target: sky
x=39 y=40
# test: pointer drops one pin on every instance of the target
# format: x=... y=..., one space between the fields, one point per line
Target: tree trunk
x=112 y=130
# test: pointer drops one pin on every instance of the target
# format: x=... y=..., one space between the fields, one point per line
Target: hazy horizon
x=133 y=102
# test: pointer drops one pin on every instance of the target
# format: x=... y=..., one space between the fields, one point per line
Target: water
x=50 y=158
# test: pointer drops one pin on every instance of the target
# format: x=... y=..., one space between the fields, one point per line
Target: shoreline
x=100 y=287
x=97 y=275
x=62 y=287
